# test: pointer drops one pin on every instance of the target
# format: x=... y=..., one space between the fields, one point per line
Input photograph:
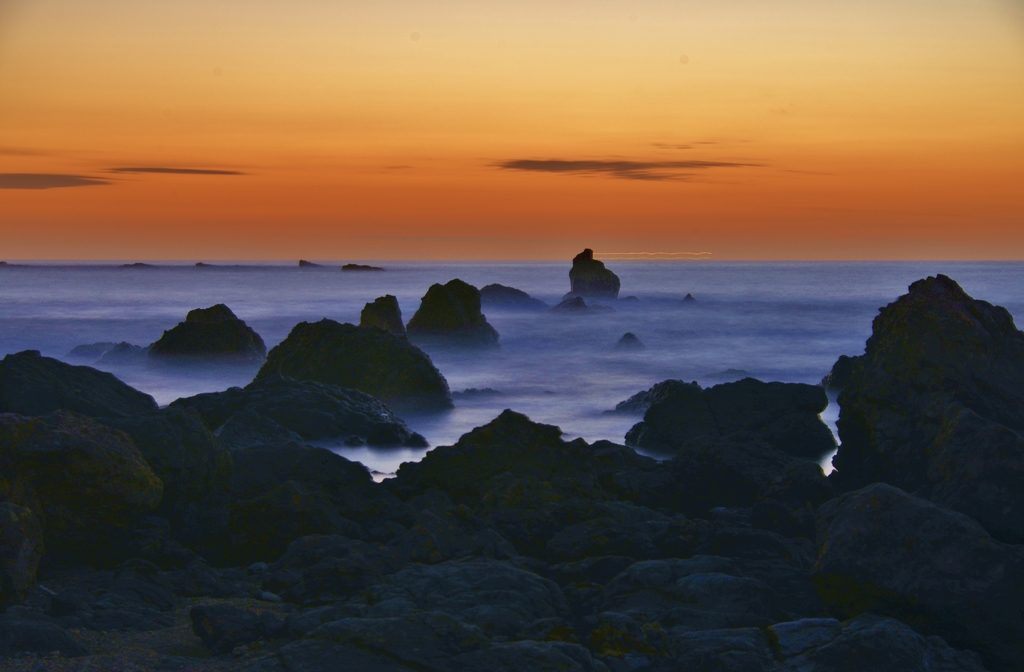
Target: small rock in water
x=308 y=264
x=689 y=297
x=475 y=392
x=360 y=267
x=629 y=341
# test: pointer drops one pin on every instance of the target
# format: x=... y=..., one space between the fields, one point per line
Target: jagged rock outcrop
x=383 y=313
x=589 y=277
x=87 y=483
x=369 y=360
x=34 y=385
x=784 y=415
x=508 y=298
x=450 y=314
x=936 y=405
x=213 y=333
x=629 y=341
x=890 y=553
x=273 y=409
x=89 y=352
x=124 y=353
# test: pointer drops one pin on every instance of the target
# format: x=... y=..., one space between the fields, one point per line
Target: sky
x=511 y=129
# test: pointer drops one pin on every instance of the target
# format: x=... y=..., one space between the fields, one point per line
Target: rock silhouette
x=629 y=341
x=360 y=267
x=383 y=313
x=589 y=278
x=500 y=296
x=450 y=314
x=213 y=333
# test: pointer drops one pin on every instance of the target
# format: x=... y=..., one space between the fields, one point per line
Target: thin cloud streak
x=621 y=169
x=46 y=181
x=175 y=171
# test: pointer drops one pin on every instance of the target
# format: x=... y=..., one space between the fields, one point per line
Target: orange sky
x=790 y=129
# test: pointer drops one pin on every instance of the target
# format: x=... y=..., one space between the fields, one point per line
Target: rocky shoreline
x=208 y=536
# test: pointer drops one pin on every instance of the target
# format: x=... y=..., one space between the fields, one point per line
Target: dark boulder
x=90 y=352
x=22 y=631
x=589 y=277
x=936 y=406
x=193 y=465
x=689 y=297
x=21 y=547
x=369 y=360
x=276 y=409
x=360 y=267
x=508 y=298
x=840 y=374
x=308 y=264
x=784 y=415
x=629 y=341
x=35 y=385
x=261 y=468
x=641 y=401
x=574 y=305
x=383 y=313
x=451 y=314
x=222 y=627
x=87 y=483
x=937 y=570
x=213 y=333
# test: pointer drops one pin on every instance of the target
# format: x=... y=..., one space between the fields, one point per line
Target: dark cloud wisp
x=46 y=181
x=175 y=171
x=626 y=170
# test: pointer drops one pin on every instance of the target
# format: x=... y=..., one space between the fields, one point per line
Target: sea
x=768 y=320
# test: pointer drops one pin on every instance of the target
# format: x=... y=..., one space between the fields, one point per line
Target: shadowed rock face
x=887 y=552
x=369 y=360
x=276 y=409
x=589 y=277
x=87 y=483
x=35 y=385
x=21 y=547
x=500 y=296
x=784 y=415
x=450 y=314
x=383 y=313
x=936 y=405
x=211 y=333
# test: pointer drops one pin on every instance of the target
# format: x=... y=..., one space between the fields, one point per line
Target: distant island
x=360 y=267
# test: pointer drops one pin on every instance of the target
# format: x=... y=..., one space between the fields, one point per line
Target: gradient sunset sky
x=511 y=129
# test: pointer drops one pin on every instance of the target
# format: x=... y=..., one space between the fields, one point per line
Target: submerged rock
x=450 y=314
x=576 y=305
x=785 y=415
x=936 y=405
x=500 y=296
x=34 y=385
x=369 y=360
x=629 y=341
x=383 y=313
x=87 y=484
x=589 y=277
x=274 y=408
x=213 y=333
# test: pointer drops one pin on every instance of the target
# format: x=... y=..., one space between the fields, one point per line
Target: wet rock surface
x=369 y=360
x=213 y=333
x=450 y=314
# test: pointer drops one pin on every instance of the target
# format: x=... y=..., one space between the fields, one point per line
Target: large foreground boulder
x=450 y=314
x=589 y=277
x=936 y=406
x=369 y=360
x=87 y=483
x=21 y=547
x=784 y=415
x=34 y=385
x=383 y=313
x=213 y=333
x=193 y=465
x=277 y=409
x=890 y=553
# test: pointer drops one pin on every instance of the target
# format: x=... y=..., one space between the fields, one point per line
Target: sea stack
x=450 y=314
x=589 y=277
x=383 y=313
x=629 y=341
x=213 y=333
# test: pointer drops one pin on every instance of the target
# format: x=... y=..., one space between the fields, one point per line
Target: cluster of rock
x=515 y=549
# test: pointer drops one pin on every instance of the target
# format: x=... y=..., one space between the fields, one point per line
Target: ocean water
x=776 y=321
